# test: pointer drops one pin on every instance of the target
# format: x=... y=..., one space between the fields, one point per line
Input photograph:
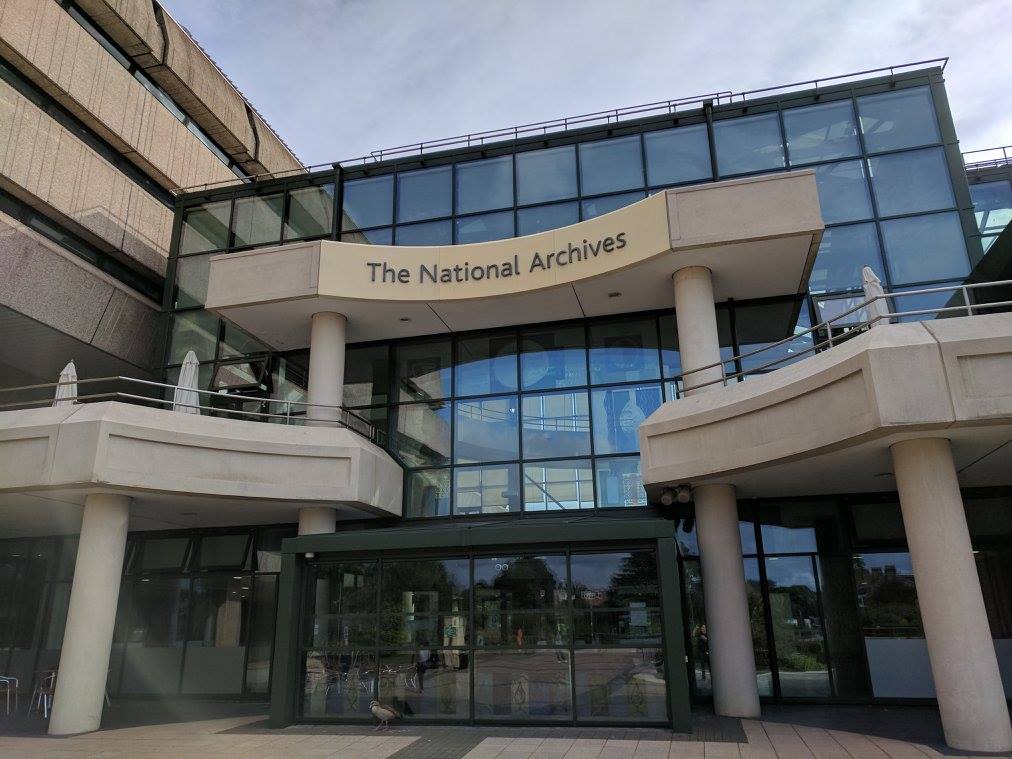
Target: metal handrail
x=609 y=116
x=850 y=329
x=345 y=417
x=1004 y=160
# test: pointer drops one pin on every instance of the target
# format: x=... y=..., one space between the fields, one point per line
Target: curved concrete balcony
x=183 y=470
x=825 y=423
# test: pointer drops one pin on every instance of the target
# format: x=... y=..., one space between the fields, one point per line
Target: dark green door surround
x=577 y=532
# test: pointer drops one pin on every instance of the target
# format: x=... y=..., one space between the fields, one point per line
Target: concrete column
x=732 y=660
x=314 y=520
x=698 y=342
x=971 y=699
x=326 y=366
x=91 y=616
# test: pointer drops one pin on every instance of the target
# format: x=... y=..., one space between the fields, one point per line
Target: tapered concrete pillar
x=696 y=316
x=732 y=660
x=971 y=699
x=314 y=520
x=91 y=616
x=326 y=366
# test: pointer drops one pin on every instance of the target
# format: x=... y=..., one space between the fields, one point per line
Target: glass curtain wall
x=555 y=636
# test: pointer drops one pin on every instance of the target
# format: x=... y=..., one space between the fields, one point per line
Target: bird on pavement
x=383 y=713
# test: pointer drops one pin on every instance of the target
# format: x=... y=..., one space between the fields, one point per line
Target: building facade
x=509 y=430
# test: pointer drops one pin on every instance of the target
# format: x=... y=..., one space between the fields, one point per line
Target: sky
x=340 y=78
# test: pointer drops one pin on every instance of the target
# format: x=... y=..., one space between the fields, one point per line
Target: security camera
x=681 y=494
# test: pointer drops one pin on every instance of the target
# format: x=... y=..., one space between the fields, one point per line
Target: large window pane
x=366 y=375
x=347 y=587
x=484 y=185
x=911 y=182
x=542 y=218
x=205 y=227
x=759 y=325
x=237 y=343
x=623 y=351
x=558 y=485
x=426 y=233
x=616 y=598
x=899 y=119
x=257 y=220
x=423 y=369
x=677 y=155
x=843 y=192
x=600 y=206
x=992 y=206
x=611 y=165
x=842 y=254
x=556 y=424
x=427 y=493
x=216 y=645
x=261 y=638
x=338 y=684
x=486 y=364
x=426 y=684
x=156 y=635
x=310 y=212
x=493 y=489
x=520 y=601
x=821 y=132
x=424 y=194
x=925 y=248
x=196 y=331
x=382 y=236
x=553 y=358
x=484 y=227
x=522 y=685
x=486 y=429
x=544 y=175
x=619 y=482
x=928 y=302
x=191 y=281
x=421 y=434
x=424 y=603
x=620 y=684
x=749 y=143
x=368 y=203
x=618 y=413
x=798 y=627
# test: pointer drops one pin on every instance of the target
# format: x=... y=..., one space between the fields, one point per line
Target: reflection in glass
x=205 y=228
x=486 y=429
x=821 y=132
x=671 y=359
x=600 y=206
x=677 y=155
x=366 y=375
x=257 y=220
x=426 y=684
x=520 y=601
x=155 y=636
x=910 y=182
x=421 y=434
x=992 y=207
x=542 y=218
x=216 y=644
x=424 y=603
x=556 y=424
x=544 y=175
x=929 y=301
x=196 y=331
x=484 y=185
x=423 y=194
x=623 y=351
x=699 y=634
x=426 y=233
x=798 y=629
x=338 y=684
x=611 y=165
x=384 y=236
x=843 y=192
x=492 y=489
x=261 y=638
x=900 y=119
x=522 y=685
x=367 y=203
x=428 y=493
x=310 y=212
x=553 y=358
x=484 y=227
x=191 y=281
x=757 y=621
x=750 y=143
x=760 y=325
x=842 y=254
x=558 y=485
x=925 y=248
x=486 y=364
x=616 y=598
x=618 y=413
x=235 y=342
x=619 y=482
x=620 y=684
x=423 y=369
x=164 y=553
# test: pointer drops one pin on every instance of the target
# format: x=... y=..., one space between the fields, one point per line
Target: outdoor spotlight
x=668 y=497
x=683 y=493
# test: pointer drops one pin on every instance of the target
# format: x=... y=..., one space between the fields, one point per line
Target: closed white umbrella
x=66 y=391
x=185 y=397
x=873 y=289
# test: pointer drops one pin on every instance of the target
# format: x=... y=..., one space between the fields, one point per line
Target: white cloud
x=338 y=78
